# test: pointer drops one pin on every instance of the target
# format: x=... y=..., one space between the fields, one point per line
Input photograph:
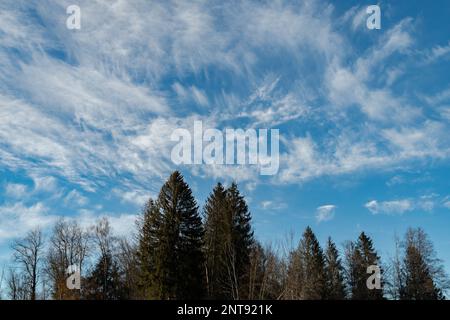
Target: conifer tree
x=294 y=277
x=334 y=273
x=147 y=253
x=180 y=266
x=216 y=229
x=423 y=275
x=228 y=243
x=360 y=256
x=313 y=262
x=104 y=283
x=419 y=284
x=239 y=248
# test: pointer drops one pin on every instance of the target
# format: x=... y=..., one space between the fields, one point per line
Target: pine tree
x=180 y=267
x=313 y=262
x=334 y=273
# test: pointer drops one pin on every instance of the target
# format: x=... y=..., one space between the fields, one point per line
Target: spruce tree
x=239 y=248
x=104 y=283
x=419 y=284
x=228 y=243
x=180 y=267
x=362 y=256
x=313 y=261
x=423 y=274
x=216 y=230
x=149 y=227
x=334 y=273
x=294 y=276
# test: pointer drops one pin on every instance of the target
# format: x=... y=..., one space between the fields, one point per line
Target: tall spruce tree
x=238 y=250
x=228 y=243
x=180 y=267
x=360 y=256
x=216 y=230
x=419 y=284
x=149 y=226
x=423 y=275
x=294 y=276
x=313 y=261
x=334 y=273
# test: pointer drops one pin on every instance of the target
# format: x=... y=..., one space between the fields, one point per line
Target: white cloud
x=438 y=52
x=17 y=219
x=273 y=205
x=325 y=213
x=114 y=100
x=359 y=17
x=251 y=186
x=136 y=197
x=447 y=204
x=75 y=198
x=15 y=190
x=425 y=203
x=353 y=84
x=306 y=160
x=122 y=225
x=390 y=207
x=44 y=183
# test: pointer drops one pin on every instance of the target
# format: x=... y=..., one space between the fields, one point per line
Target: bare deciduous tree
x=27 y=253
x=69 y=246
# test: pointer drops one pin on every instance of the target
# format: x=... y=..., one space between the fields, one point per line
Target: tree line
x=181 y=252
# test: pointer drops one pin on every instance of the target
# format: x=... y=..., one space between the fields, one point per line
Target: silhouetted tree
x=313 y=263
x=68 y=246
x=237 y=251
x=149 y=260
x=334 y=273
x=28 y=254
x=104 y=282
x=423 y=275
x=360 y=256
x=217 y=234
x=180 y=267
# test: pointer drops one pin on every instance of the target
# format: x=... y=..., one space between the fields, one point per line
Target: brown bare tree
x=28 y=254
x=69 y=245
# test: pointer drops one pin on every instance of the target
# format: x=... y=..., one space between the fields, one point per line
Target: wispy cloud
x=438 y=52
x=15 y=190
x=18 y=218
x=273 y=205
x=117 y=99
x=389 y=207
x=325 y=213
x=75 y=198
x=426 y=203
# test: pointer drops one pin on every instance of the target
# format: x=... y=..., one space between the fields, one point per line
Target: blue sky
x=364 y=115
